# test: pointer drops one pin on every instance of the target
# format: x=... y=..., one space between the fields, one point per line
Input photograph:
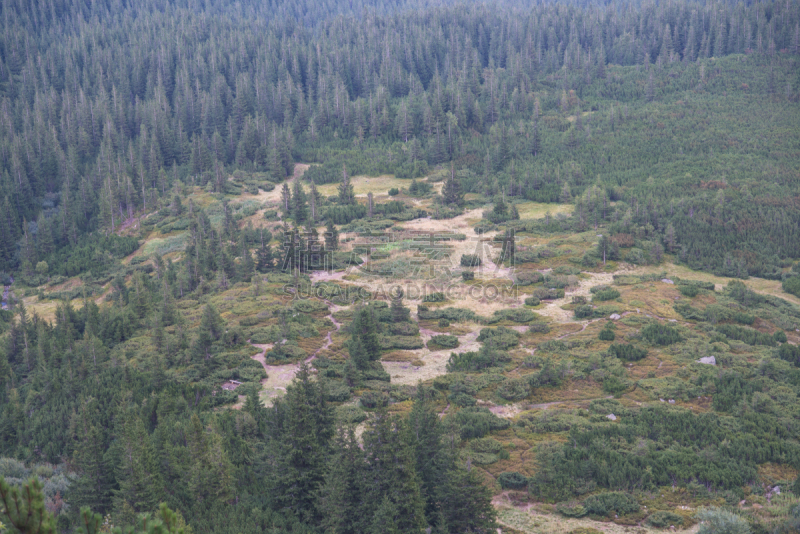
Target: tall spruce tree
x=141 y=487
x=346 y=194
x=331 y=236
x=452 y=190
x=391 y=475
x=303 y=446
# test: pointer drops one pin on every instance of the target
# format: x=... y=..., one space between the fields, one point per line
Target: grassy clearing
x=377 y=185
x=532 y=522
x=164 y=245
x=537 y=210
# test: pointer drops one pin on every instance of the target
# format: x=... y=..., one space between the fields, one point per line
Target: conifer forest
x=400 y=266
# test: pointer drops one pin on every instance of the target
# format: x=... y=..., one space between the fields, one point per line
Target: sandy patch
x=552 y=308
x=404 y=373
x=280 y=376
x=362 y=185
x=508 y=411
x=537 y=210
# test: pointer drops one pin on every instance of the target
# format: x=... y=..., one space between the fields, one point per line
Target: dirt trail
x=403 y=373
x=546 y=405
x=586 y=324
x=553 y=309
x=279 y=376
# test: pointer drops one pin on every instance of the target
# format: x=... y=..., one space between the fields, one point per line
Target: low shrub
x=747 y=335
x=548 y=294
x=500 y=337
x=532 y=301
x=467 y=276
x=486 y=445
x=444 y=341
x=400 y=342
x=627 y=352
x=374 y=399
x=571 y=509
x=451 y=314
x=516 y=315
x=336 y=391
x=661 y=334
x=526 y=278
x=286 y=351
x=513 y=389
x=250 y=321
x=689 y=291
x=350 y=415
x=434 y=297
x=512 y=480
x=470 y=260
x=606 y=294
x=539 y=328
x=790 y=353
x=461 y=399
x=476 y=422
x=475 y=361
x=612 y=502
x=606 y=334
x=664 y=519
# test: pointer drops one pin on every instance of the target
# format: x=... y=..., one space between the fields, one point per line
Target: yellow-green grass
x=759 y=285
x=533 y=522
x=362 y=185
x=537 y=210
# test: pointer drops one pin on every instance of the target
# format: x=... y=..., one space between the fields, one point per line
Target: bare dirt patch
x=403 y=373
x=280 y=376
x=553 y=308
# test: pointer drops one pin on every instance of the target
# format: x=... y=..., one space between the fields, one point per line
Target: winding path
x=279 y=376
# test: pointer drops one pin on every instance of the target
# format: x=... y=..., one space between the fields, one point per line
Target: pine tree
x=140 y=485
x=93 y=487
x=314 y=200
x=400 y=313
x=536 y=141
x=302 y=445
x=385 y=520
x=424 y=434
x=452 y=190
x=246 y=266
x=265 y=261
x=286 y=200
x=364 y=336
x=44 y=236
x=23 y=508
x=341 y=498
x=466 y=502
x=392 y=475
x=670 y=238
x=566 y=195
x=210 y=478
x=346 y=194
x=299 y=203
x=331 y=236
